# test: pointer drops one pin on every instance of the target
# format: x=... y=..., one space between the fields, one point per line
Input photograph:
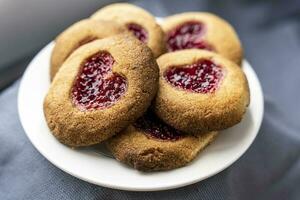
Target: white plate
x=104 y=171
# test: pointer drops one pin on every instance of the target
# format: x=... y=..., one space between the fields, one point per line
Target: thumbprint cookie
x=151 y=145
x=77 y=35
x=200 y=91
x=138 y=21
x=197 y=30
x=101 y=88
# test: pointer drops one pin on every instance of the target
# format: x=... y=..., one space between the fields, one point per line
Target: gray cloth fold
x=270 y=169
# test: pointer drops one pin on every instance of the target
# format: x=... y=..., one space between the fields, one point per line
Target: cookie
x=151 y=145
x=138 y=21
x=201 y=30
x=200 y=91
x=78 y=34
x=100 y=89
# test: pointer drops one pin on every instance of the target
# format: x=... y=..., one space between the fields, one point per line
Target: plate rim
x=128 y=188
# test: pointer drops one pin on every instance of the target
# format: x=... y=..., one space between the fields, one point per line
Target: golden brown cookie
x=100 y=89
x=138 y=21
x=200 y=91
x=78 y=34
x=151 y=145
x=202 y=30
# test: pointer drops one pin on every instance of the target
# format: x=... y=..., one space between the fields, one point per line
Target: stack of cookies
x=155 y=94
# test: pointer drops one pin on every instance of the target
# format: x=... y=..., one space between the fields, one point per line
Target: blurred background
x=270 y=33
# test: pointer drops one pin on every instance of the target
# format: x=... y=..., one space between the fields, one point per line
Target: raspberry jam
x=96 y=86
x=203 y=76
x=156 y=128
x=188 y=36
x=138 y=31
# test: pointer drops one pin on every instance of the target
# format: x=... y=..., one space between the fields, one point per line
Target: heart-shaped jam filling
x=96 y=86
x=188 y=36
x=138 y=31
x=203 y=76
x=154 y=127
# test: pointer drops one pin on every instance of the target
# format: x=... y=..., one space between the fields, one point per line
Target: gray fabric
x=270 y=169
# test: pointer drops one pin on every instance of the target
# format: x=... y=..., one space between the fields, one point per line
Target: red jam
x=138 y=31
x=96 y=86
x=156 y=128
x=188 y=36
x=203 y=76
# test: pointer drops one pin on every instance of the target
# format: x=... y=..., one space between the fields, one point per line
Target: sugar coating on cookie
x=152 y=145
x=200 y=30
x=200 y=91
x=78 y=34
x=138 y=21
x=100 y=89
